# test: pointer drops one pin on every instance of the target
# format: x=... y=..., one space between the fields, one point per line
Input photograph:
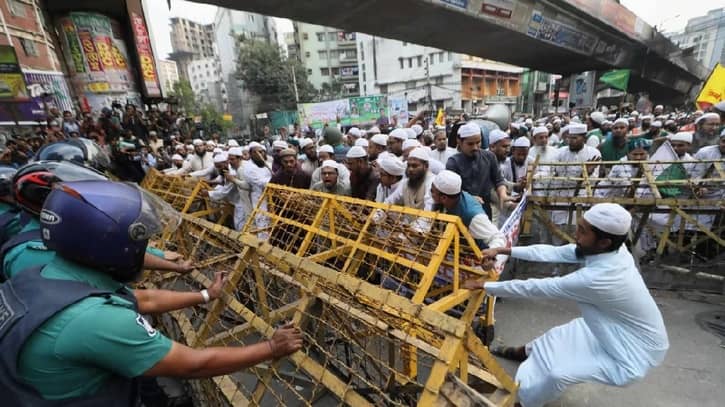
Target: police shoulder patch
x=143 y=323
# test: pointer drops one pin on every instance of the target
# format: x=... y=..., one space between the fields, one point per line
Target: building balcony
x=507 y=100
x=347 y=61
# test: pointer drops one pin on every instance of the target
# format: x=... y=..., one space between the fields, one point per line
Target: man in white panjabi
x=257 y=172
x=621 y=334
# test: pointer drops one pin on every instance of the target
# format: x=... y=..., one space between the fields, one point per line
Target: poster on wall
x=12 y=83
x=45 y=90
x=365 y=110
x=150 y=84
x=398 y=109
x=316 y=115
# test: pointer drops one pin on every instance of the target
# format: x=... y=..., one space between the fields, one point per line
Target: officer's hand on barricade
x=172 y=256
x=217 y=287
x=286 y=340
x=184 y=267
x=473 y=284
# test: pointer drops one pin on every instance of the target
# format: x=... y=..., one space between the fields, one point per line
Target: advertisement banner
x=554 y=32
x=283 y=118
x=581 y=89
x=12 y=84
x=316 y=115
x=365 y=110
x=398 y=109
x=44 y=89
x=151 y=86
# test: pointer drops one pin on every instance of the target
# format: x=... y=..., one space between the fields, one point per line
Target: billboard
x=316 y=115
x=45 y=90
x=12 y=83
x=150 y=83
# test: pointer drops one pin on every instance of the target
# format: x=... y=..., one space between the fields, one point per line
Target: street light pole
x=294 y=83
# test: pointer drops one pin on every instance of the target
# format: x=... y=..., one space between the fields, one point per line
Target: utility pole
x=428 y=84
x=294 y=83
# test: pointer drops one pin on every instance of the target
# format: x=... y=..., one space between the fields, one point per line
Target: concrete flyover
x=558 y=36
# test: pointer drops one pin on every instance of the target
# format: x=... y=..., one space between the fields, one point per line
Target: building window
x=307 y=54
x=432 y=58
x=16 y=8
x=335 y=71
x=305 y=36
x=440 y=57
x=320 y=36
x=420 y=61
x=333 y=54
x=450 y=56
x=405 y=44
x=322 y=54
x=29 y=47
x=410 y=62
x=332 y=36
x=362 y=52
x=439 y=80
x=410 y=85
x=383 y=89
x=350 y=54
x=401 y=63
x=309 y=72
x=325 y=71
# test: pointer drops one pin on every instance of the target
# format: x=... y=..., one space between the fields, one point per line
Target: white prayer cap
x=326 y=148
x=597 y=117
x=287 y=152
x=577 y=128
x=305 y=142
x=576 y=119
x=448 y=182
x=468 y=130
x=362 y=142
x=329 y=164
x=420 y=153
x=254 y=144
x=191 y=146
x=417 y=128
x=356 y=152
x=656 y=123
x=659 y=107
x=237 y=151
x=180 y=147
x=669 y=121
x=565 y=129
x=557 y=120
x=646 y=117
x=610 y=218
x=528 y=122
x=549 y=126
x=279 y=144
x=410 y=132
x=539 y=130
x=621 y=120
x=400 y=134
x=211 y=143
x=197 y=142
x=232 y=143
x=354 y=131
x=217 y=150
x=220 y=158
x=706 y=116
x=410 y=143
x=374 y=130
x=685 y=136
x=392 y=165
x=606 y=123
x=245 y=148
x=380 y=139
x=177 y=157
x=521 y=142
x=634 y=113
x=495 y=136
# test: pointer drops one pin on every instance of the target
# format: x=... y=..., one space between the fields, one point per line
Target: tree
x=185 y=96
x=331 y=90
x=268 y=74
x=210 y=117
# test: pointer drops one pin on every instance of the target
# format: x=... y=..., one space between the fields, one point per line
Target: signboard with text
x=150 y=84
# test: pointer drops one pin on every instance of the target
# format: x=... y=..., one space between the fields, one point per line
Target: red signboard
x=147 y=65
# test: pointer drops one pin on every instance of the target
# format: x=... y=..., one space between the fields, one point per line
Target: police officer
x=8 y=211
x=74 y=333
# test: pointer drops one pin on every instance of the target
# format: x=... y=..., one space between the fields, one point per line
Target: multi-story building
x=431 y=78
x=330 y=56
x=291 y=46
x=168 y=74
x=232 y=28
x=706 y=36
x=205 y=77
x=190 y=41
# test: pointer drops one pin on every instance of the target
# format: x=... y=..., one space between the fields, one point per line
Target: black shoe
x=517 y=354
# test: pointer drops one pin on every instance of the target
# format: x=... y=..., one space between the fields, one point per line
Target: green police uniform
x=78 y=350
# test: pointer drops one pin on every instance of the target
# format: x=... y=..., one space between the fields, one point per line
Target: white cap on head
x=621 y=120
x=557 y=121
x=210 y=143
x=410 y=143
x=528 y=122
x=410 y=133
x=329 y=164
x=656 y=123
x=399 y=134
x=706 y=116
x=326 y=148
x=685 y=136
x=646 y=117
x=191 y=146
x=354 y=131
x=577 y=128
x=198 y=142
x=448 y=182
x=305 y=142
x=634 y=113
x=362 y=142
x=610 y=218
x=220 y=158
x=180 y=147
x=356 y=152
x=597 y=117
x=539 y=130
x=521 y=142
x=496 y=135
x=420 y=153
x=217 y=150
x=564 y=129
x=245 y=148
x=176 y=157
x=380 y=139
x=417 y=128
x=392 y=165
x=279 y=144
x=254 y=144
x=374 y=130
x=236 y=151
x=468 y=130
x=659 y=107
x=232 y=143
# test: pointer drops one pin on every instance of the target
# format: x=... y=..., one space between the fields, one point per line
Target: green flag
x=617 y=79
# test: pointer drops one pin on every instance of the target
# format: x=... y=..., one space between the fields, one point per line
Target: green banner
x=283 y=118
x=617 y=79
x=365 y=110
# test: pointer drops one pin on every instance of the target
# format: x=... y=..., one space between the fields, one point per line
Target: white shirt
x=257 y=177
x=569 y=188
x=343 y=175
x=383 y=192
x=199 y=163
x=443 y=156
x=513 y=173
x=482 y=228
